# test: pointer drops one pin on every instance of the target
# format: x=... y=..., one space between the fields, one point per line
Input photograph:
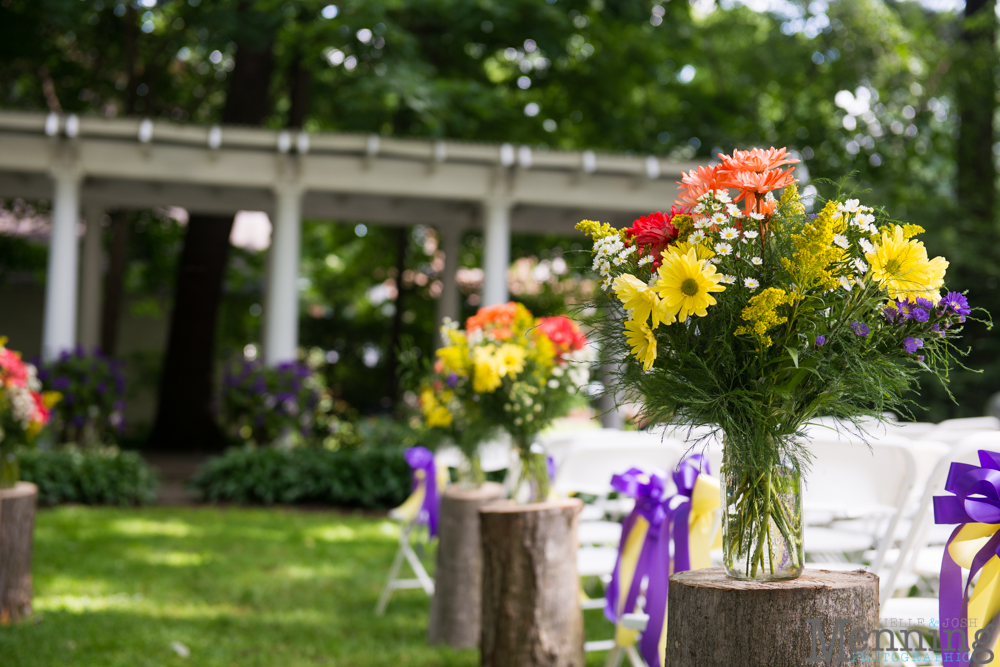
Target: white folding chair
x=408 y=517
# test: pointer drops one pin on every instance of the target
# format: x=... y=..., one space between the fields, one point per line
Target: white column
x=448 y=302
x=281 y=319
x=496 y=251
x=91 y=273
x=59 y=328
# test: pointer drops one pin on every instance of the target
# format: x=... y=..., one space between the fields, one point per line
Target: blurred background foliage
x=894 y=99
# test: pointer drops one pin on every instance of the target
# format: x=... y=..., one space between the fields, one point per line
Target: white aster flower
x=727 y=279
x=719 y=219
x=702 y=223
x=757 y=216
x=751 y=283
x=734 y=211
x=605 y=268
x=841 y=240
x=864 y=220
x=730 y=233
x=756 y=261
x=724 y=249
x=866 y=245
x=860 y=265
x=751 y=234
x=723 y=196
x=643 y=261
x=845 y=283
x=696 y=236
x=850 y=206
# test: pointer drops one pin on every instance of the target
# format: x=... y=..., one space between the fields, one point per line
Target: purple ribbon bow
x=976 y=499
x=421 y=458
x=668 y=523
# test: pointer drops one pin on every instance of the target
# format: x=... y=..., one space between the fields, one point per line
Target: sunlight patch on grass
x=325 y=570
x=340 y=533
x=145 y=527
x=171 y=558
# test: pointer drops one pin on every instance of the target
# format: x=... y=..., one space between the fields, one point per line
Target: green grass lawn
x=238 y=587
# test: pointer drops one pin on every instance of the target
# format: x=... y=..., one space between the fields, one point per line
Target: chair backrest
x=971 y=424
x=916 y=539
x=588 y=466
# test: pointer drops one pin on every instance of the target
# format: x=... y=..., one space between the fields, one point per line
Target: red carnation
x=655 y=231
x=563 y=333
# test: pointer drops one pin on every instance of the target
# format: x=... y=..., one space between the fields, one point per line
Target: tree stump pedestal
x=458 y=577
x=531 y=591
x=17 y=529
x=821 y=618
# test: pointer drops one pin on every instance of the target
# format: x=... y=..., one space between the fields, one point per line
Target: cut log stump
x=458 y=577
x=17 y=529
x=821 y=618
x=531 y=591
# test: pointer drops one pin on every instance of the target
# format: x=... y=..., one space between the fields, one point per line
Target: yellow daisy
x=686 y=283
x=900 y=265
x=511 y=359
x=642 y=341
x=636 y=296
x=486 y=367
x=682 y=247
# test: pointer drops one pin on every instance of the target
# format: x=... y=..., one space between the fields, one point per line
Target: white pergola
x=91 y=165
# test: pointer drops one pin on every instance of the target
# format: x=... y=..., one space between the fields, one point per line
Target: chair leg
x=383 y=599
x=418 y=568
x=634 y=657
x=615 y=657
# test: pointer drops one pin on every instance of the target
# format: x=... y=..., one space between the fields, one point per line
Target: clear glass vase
x=470 y=472
x=10 y=472
x=762 y=520
x=534 y=483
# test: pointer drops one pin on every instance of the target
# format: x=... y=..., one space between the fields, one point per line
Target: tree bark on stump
x=716 y=621
x=531 y=591
x=17 y=529
x=458 y=577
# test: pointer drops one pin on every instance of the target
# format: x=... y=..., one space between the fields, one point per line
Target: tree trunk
x=531 y=591
x=185 y=417
x=458 y=577
x=114 y=283
x=17 y=528
x=716 y=621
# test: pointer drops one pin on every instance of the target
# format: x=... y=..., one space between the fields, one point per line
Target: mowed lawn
x=234 y=587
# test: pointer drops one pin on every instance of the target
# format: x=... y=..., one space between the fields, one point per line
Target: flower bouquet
x=510 y=370
x=24 y=410
x=753 y=320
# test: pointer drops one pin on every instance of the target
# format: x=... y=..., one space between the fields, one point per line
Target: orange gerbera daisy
x=757 y=159
x=697 y=182
x=499 y=316
x=753 y=184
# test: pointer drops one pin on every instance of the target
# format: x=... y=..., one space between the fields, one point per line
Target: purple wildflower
x=956 y=303
x=820 y=340
x=891 y=311
x=911 y=345
x=920 y=315
x=452 y=380
x=905 y=309
x=860 y=328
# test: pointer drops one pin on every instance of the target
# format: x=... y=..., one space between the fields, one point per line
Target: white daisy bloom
x=751 y=234
x=734 y=210
x=756 y=261
x=723 y=196
x=702 y=223
x=696 y=236
x=860 y=265
x=850 y=206
x=605 y=268
x=727 y=279
x=841 y=240
x=751 y=283
x=730 y=233
x=724 y=249
x=864 y=220
x=866 y=245
x=719 y=219
x=757 y=216
x=845 y=283
x=643 y=261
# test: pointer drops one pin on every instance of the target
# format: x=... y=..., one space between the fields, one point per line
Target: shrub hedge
x=97 y=476
x=368 y=478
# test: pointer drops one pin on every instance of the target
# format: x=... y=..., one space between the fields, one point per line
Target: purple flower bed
x=92 y=406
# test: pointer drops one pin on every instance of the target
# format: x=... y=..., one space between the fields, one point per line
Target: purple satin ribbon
x=976 y=499
x=421 y=458
x=668 y=523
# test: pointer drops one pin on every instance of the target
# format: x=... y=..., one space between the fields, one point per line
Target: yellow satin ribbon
x=702 y=531
x=984 y=603
x=408 y=511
